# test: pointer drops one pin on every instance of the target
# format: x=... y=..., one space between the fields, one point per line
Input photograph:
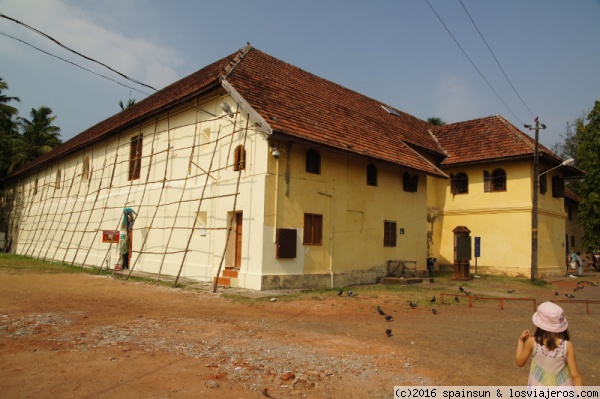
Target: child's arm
x=524 y=348
x=572 y=365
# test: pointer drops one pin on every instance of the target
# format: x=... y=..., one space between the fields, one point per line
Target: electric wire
x=496 y=59
x=472 y=63
x=72 y=63
x=45 y=35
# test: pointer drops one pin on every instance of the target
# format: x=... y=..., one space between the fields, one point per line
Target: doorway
x=234 y=245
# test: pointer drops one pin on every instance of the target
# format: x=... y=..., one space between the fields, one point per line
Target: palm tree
x=38 y=137
x=130 y=102
x=436 y=121
x=8 y=128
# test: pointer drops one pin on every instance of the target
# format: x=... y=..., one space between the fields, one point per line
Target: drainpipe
x=330 y=236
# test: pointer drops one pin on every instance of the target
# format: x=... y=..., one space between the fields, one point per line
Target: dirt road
x=88 y=336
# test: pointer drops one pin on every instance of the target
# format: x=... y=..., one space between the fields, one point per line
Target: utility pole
x=536 y=191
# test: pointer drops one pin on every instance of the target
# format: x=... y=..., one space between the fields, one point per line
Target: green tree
x=588 y=159
x=8 y=128
x=37 y=137
x=435 y=121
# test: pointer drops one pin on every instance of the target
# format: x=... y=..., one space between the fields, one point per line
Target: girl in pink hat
x=552 y=354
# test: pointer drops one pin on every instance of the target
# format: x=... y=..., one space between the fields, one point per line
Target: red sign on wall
x=110 y=236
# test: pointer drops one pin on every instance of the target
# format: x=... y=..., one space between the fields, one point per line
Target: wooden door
x=238 y=240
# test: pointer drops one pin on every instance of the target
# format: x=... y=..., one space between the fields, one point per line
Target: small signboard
x=110 y=236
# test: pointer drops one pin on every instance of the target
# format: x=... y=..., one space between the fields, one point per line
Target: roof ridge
x=230 y=67
x=516 y=132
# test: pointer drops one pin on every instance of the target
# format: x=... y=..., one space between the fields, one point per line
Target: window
x=459 y=184
x=389 y=233
x=313 y=162
x=558 y=187
x=35 y=186
x=286 y=243
x=410 y=183
x=498 y=180
x=543 y=184
x=494 y=182
x=58 y=179
x=135 y=157
x=85 y=168
x=239 y=158
x=313 y=229
x=487 y=182
x=371 y=174
x=572 y=241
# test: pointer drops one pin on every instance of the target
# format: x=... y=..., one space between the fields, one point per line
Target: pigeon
x=467 y=293
x=594 y=284
x=388 y=317
x=455 y=299
x=434 y=311
x=412 y=305
x=510 y=291
x=388 y=332
x=381 y=312
x=556 y=293
x=340 y=293
x=461 y=289
x=433 y=299
x=570 y=296
x=266 y=393
x=350 y=293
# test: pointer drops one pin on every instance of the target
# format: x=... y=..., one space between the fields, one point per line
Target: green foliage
x=38 y=136
x=436 y=121
x=588 y=159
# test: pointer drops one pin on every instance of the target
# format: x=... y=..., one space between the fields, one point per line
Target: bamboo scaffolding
x=87 y=223
x=53 y=217
x=237 y=188
x=212 y=158
x=66 y=200
x=144 y=191
x=128 y=195
x=41 y=207
x=89 y=181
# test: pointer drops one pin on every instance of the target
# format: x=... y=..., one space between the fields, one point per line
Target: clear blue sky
x=395 y=51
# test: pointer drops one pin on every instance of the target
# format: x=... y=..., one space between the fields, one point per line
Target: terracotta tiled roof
x=571 y=195
x=301 y=105
x=295 y=103
x=171 y=95
x=487 y=139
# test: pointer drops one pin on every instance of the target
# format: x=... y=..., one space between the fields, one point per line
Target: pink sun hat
x=550 y=317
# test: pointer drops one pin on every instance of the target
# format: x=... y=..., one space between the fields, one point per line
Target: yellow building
x=265 y=176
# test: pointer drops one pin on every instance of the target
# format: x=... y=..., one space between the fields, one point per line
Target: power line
x=92 y=60
x=72 y=63
x=497 y=62
x=73 y=51
x=472 y=63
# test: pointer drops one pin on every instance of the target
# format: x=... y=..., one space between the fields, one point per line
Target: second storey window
x=410 y=183
x=543 y=184
x=459 y=184
x=239 y=158
x=313 y=229
x=313 y=162
x=135 y=157
x=496 y=181
x=558 y=187
x=371 y=174
x=389 y=233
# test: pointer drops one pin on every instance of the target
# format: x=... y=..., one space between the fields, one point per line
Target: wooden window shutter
x=286 y=243
x=135 y=157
